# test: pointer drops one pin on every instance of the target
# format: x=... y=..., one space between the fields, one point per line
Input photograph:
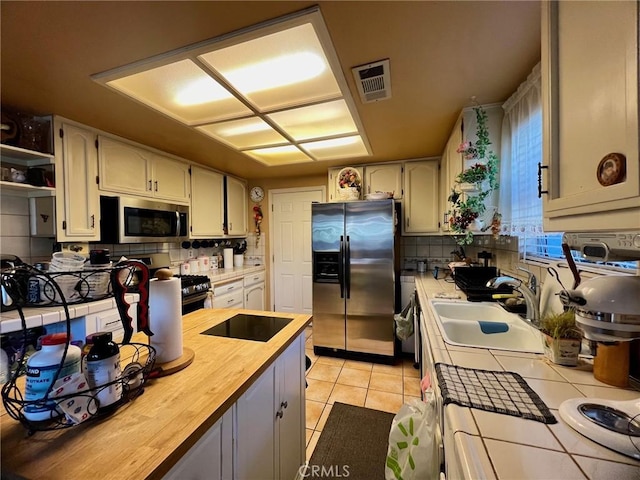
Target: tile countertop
x=42 y=316
x=496 y=446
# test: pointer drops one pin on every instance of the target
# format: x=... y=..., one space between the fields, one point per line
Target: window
x=521 y=152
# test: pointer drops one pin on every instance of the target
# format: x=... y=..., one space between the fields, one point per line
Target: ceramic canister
x=203 y=262
x=185 y=268
x=194 y=265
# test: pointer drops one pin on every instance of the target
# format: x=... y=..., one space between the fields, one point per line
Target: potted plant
x=473 y=185
x=561 y=337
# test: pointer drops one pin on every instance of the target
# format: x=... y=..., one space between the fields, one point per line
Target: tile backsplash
x=15 y=239
x=14 y=232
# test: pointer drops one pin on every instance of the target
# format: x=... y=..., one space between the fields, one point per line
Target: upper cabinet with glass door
x=591 y=171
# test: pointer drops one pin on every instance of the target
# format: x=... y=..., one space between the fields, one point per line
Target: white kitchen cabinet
x=383 y=178
x=590 y=109
x=131 y=170
x=420 y=206
x=236 y=206
x=270 y=419
x=450 y=167
x=254 y=291
x=229 y=294
x=333 y=182
x=77 y=200
x=208 y=459
x=170 y=179
x=124 y=168
x=207 y=203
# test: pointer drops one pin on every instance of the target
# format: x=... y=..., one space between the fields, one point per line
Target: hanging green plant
x=483 y=174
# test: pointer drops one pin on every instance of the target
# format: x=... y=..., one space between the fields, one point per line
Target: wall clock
x=257 y=194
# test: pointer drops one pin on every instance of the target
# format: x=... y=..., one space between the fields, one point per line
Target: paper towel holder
x=184 y=360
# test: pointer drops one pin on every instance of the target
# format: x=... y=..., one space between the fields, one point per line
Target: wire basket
x=28 y=286
x=134 y=376
x=21 y=286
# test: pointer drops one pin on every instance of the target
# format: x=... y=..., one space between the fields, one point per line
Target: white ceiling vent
x=373 y=81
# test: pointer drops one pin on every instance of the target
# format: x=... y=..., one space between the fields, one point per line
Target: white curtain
x=521 y=151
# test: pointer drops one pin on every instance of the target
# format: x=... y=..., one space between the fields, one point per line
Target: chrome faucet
x=530 y=296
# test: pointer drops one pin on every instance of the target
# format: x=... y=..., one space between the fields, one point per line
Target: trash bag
x=413 y=442
x=404 y=320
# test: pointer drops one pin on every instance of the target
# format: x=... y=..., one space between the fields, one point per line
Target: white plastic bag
x=413 y=446
x=404 y=320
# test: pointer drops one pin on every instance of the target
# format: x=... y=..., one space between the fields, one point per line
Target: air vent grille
x=373 y=81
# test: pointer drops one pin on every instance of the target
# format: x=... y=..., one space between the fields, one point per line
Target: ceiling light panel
x=345 y=147
x=279 y=70
x=316 y=121
x=244 y=133
x=257 y=90
x=183 y=91
x=275 y=156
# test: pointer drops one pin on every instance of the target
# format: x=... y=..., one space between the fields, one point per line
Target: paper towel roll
x=228 y=257
x=165 y=318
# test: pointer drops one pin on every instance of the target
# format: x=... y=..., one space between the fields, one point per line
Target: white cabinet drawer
x=254 y=278
x=229 y=300
x=224 y=288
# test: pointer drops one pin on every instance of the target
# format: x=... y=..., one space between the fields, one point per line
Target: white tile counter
x=43 y=316
x=496 y=446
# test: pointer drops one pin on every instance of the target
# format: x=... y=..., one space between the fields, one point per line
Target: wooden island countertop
x=146 y=437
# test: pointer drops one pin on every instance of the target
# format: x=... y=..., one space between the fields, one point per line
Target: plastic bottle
x=103 y=369
x=208 y=302
x=41 y=370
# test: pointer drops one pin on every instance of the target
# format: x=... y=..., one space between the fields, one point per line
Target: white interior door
x=290 y=228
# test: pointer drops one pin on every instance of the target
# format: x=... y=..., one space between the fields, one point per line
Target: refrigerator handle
x=347 y=267
x=341 y=267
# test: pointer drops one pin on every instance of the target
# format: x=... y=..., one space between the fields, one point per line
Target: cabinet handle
x=284 y=404
x=230 y=301
x=149 y=188
x=156 y=185
x=540 y=191
x=407 y=221
x=93 y=221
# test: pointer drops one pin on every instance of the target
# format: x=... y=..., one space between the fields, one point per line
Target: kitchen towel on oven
x=500 y=392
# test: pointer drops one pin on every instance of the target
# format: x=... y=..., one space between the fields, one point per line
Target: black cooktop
x=249 y=327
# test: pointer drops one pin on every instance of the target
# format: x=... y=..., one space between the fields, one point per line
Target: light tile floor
x=371 y=385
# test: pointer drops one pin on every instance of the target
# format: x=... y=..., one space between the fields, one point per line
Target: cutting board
x=549 y=299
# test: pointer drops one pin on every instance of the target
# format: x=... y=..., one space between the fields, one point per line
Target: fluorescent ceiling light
x=347 y=147
x=272 y=85
x=244 y=133
x=276 y=156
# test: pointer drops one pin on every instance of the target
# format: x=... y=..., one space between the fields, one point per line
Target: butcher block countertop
x=146 y=437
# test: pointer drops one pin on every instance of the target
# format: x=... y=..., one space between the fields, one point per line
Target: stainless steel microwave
x=135 y=220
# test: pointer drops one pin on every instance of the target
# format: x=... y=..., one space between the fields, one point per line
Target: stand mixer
x=607 y=310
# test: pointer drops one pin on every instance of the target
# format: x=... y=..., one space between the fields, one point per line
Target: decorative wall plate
x=612 y=169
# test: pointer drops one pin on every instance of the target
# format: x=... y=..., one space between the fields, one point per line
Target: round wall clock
x=257 y=194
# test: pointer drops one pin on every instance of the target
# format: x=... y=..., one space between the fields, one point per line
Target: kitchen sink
x=484 y=325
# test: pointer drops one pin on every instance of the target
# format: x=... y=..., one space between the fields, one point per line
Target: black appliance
x=134 y=220
x=473 y=282
x=194 y=288
x=194 y=292
x=259 y=328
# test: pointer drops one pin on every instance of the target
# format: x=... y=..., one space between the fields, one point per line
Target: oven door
x=133 y=220
x=193 y=302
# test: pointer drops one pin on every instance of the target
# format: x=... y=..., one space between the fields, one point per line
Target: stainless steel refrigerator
x=354 y=287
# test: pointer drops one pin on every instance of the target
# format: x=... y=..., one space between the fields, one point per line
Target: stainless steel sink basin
x=484 y=325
